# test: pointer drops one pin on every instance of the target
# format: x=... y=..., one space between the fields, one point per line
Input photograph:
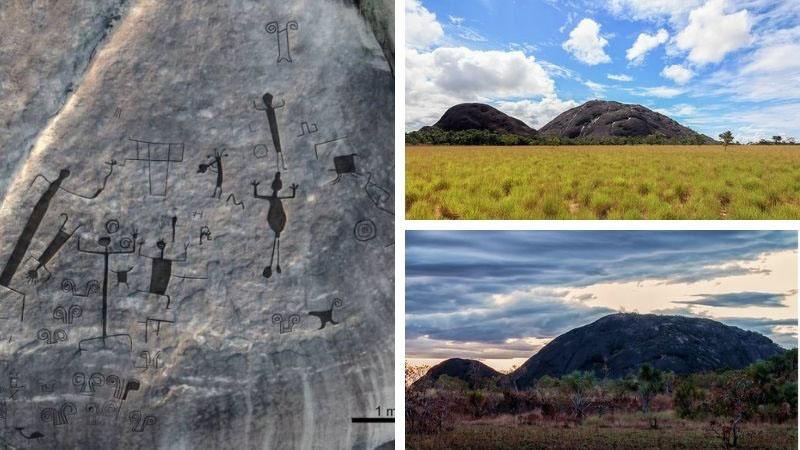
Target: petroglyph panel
x=196 y=245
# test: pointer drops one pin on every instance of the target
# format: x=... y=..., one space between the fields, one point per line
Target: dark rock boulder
x=478 y=116
x=474 y=373
x=616 y=345
x=599 y=118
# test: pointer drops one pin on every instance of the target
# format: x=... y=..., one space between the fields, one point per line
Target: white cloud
x=652 y=9
x=586 y=44
x=643 y=44
x=443 y=77
x=619 y=77
x=470 y=34
x=677 y=73
x=536 y=114
x=711 y=34
x=778 y=58
x=422 y=29
x=681 y=109
x=456 y=20
x=525 y=47
x=770 y=73
x=684 y=110
x=596 y=88
x=460 y=70
x=659 y=91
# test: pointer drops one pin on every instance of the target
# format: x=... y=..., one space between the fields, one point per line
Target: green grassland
x=603 y=182
x=624 y=431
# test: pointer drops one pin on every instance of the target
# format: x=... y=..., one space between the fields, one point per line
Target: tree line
x=434 y=136
x=725 y=399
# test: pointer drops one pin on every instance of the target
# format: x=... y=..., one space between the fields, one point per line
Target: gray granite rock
x=113 y=147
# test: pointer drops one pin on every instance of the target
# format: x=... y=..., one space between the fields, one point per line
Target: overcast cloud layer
x=712 y=65
x=505 y=294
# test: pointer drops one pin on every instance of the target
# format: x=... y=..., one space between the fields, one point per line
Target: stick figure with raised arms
x=276 y=217
x=161 y=270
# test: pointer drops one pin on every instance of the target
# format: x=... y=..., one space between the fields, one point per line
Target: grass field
x=628 y=431
x=603 y=182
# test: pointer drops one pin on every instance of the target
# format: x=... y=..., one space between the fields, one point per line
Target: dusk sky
x=500 y=296
x=712 y=65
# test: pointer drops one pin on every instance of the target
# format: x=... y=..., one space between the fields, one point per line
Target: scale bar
x=373 y=419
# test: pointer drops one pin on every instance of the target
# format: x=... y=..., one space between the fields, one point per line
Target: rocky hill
x=619 y=343
x=600 y=118
x=478 y=116
x=469 y=370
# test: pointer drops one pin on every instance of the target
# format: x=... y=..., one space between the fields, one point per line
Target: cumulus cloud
x=422 y=28
x=711 y=34
x=536 y=113
x=643 y=44
x=586 y=44
x=677 y=73
x=619 y=77
x=445 y=76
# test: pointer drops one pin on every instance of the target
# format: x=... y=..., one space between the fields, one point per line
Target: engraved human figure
x=215 y=165
x=128 y=247
x=272 y=120
x=276 y=218
x=161 y=270
x=34 y=220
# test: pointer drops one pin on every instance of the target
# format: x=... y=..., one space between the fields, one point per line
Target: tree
x=734 y=399
x=777 y=139
x=578 y=386
x=699 y=139
x=686 y=395
x=650 y=382
x=727 y=138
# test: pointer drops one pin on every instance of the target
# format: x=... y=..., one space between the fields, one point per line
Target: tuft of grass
x=614 y=182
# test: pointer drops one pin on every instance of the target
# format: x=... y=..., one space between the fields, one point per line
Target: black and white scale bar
x=373 y=419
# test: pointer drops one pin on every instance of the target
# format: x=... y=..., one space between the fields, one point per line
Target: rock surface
x=622 y=342
x=475 y=373
x=599 y=118
x=132 y=123
x=478 y=116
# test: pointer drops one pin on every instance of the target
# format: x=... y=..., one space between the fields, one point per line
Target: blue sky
x=500 y=296
x=711 y=65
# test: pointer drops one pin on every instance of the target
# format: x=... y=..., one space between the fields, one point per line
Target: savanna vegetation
x=603 y=182
x=751 y=408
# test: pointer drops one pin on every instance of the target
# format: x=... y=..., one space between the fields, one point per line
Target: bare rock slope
x=619 y=343
x=599 y=118
x=474 y=373
x=478 y=116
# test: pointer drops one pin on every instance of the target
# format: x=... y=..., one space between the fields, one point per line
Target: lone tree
x=727 y=138
x=651 y=382
x=579 y=388
x=777 y=139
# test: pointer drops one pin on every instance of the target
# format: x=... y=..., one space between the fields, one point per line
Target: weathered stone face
x=616 y=345
x=598 y=119
x=197 y=250
x=478 y=116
